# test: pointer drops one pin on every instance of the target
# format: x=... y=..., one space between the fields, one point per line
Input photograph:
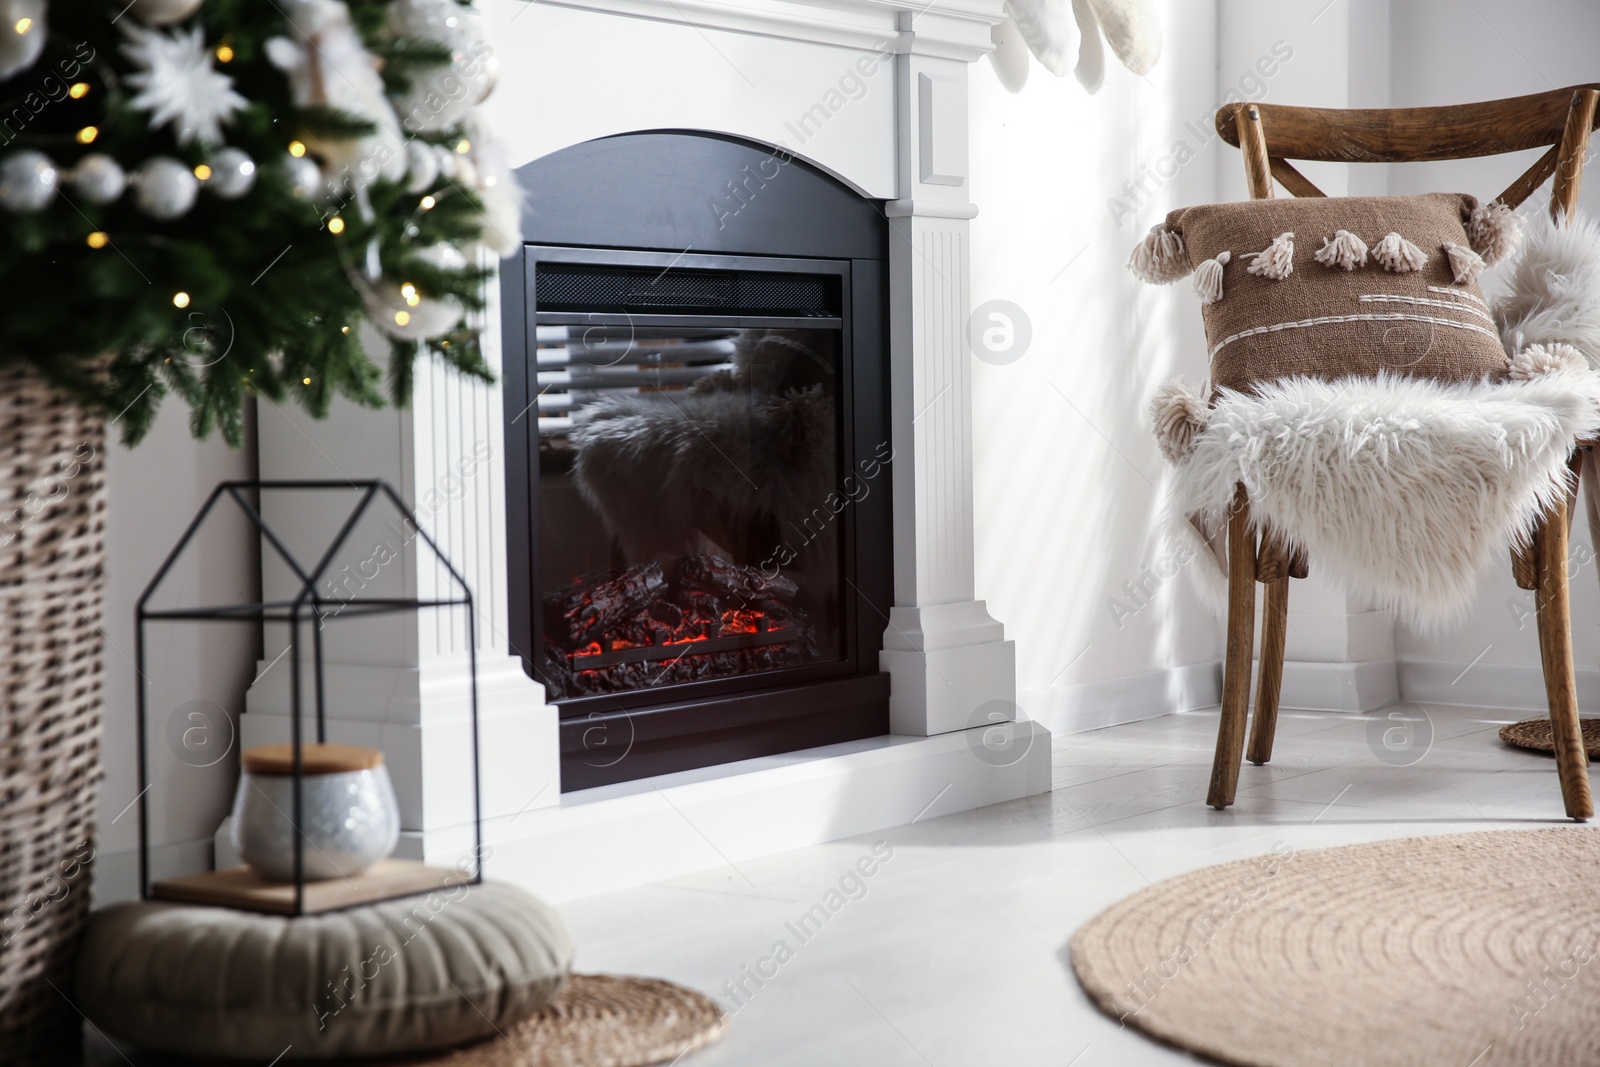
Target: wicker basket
x=52 y=522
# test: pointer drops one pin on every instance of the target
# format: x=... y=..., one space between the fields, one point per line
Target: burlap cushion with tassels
x=1334 y=287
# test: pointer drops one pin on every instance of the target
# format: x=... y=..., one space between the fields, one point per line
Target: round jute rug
x=1472 y=949
x=1535 y=734
x=597 y=1020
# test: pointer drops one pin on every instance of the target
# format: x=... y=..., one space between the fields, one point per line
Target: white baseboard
x=613 y=837
x=1072 y=709
x=1343 y=687
x=1349 y=687
x=617 y=836
x=1517 y=686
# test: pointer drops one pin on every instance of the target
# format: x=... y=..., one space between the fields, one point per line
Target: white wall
x=1069 y=482
x=154 y=491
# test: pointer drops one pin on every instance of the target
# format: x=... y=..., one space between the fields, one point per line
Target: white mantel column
x=951 y=664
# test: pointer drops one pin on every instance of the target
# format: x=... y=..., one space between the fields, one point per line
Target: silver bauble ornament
x=27 y=181
x=398 y=316
x=98 y=178
x=22 y=34
x=422 y=167
x=233 y=173
x=164 y=12
x=305 y=177
x=490 y=66
x=164 y=188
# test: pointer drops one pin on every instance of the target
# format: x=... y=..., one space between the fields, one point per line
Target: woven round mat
x=1535 y=734
x=598 y=1020
x=1473 y=949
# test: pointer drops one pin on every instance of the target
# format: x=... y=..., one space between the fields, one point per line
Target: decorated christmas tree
x=210 y=198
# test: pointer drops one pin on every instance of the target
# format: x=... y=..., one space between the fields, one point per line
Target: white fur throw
x=1402 y=489
x=1551 y=292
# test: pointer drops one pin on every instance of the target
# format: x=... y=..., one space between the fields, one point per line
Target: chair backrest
x=1269 y=135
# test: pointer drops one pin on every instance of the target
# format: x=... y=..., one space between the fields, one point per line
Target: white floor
x=954 y=951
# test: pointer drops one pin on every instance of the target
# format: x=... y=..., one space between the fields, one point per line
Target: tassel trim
x=1395 y=253
x=1465 y=264
x=1276 y=261
x=1344 y=251
x=1160 y=258
x=1208 y=278
x=1178 y=414
x=1541 y=359
x=1494 y=231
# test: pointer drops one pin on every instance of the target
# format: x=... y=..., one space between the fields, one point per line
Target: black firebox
x=699 y=523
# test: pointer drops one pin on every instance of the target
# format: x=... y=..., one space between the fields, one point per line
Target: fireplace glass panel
x=689 y=524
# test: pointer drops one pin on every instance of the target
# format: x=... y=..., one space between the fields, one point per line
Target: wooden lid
x=317 y=759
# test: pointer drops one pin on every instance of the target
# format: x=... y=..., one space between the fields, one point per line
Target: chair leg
x=1269 y=680
x=1555 y=649
x=1236 y=663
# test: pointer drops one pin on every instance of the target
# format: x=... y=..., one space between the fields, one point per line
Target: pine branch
x=402 y=370
x=413 y=53
x=321 y=120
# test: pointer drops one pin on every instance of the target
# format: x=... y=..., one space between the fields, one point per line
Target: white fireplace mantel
x=945 y=28
x=572 y=70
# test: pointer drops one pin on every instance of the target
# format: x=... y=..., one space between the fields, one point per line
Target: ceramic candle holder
x=349 y=815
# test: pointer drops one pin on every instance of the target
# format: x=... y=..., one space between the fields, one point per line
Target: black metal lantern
x=242 y=887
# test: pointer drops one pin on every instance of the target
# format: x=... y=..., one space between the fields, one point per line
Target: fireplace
x=699 y=519
x=869 y=201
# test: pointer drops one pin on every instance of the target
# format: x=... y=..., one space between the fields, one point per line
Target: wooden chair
x=1268 y=136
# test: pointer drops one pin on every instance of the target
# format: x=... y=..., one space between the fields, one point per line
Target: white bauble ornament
x=484 y=82
x=497 y=189
x=436 y=100
x=233 y=173
x=445 y=257
x=440 y=97
x=447 y=161
x=164 y=188
x=466 y=172
x=98 y=178
x=27 y=181
x=22 y=34
x=391 y=313
x=305 y=177
x=502 y=213
x=164 y=12
x=422 y=167
x=414 y=317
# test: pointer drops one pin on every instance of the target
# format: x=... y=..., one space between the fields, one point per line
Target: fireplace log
x=715 y=575
x=700 y=618
x=594 y=605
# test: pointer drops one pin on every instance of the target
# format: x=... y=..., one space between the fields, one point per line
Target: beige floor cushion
x=418 y=973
